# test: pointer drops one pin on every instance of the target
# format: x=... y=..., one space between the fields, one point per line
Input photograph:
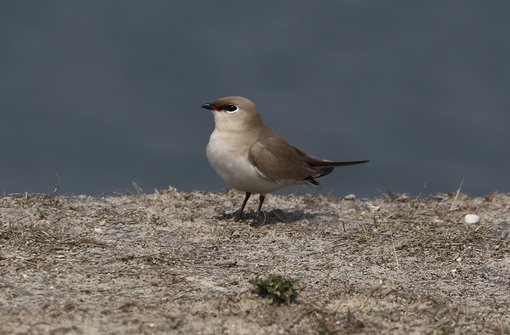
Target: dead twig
x=456 y=195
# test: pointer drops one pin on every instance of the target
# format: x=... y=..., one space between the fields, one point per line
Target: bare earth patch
x=171 y=262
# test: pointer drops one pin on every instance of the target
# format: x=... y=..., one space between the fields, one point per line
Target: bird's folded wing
x=277 y=160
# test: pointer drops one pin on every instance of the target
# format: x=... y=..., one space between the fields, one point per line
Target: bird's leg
x=239 y=213
x=262 y=197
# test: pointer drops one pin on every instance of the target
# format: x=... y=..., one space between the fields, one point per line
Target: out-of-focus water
x=103 y=93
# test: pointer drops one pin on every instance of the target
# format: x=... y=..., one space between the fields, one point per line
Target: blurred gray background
x=103 y=93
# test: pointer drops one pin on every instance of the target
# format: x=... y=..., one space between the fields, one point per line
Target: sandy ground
x=172 y=262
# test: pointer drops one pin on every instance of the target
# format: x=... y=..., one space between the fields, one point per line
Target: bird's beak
x=208 y=106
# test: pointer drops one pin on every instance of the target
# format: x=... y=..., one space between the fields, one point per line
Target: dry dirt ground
x=172 y=262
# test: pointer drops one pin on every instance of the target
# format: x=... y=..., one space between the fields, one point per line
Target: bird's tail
x=325 y=167
x=326 y=164
x=322 y=166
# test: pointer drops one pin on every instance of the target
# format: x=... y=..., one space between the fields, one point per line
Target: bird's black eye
x=231 y=108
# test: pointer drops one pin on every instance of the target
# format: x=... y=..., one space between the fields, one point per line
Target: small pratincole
x=252 y=158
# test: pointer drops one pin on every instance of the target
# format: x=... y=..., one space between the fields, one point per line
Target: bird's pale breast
x=229 y=158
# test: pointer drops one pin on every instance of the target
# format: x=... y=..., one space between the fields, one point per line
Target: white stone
x=350 y=196
x=471 y=219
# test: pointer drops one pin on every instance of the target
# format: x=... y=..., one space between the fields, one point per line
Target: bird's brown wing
x=277 y=160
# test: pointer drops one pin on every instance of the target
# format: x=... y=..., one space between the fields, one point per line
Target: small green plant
x=277 y=287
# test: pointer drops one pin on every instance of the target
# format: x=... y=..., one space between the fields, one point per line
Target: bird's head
x=234 y=114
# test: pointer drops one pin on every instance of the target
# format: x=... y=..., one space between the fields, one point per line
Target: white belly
x=230 y=160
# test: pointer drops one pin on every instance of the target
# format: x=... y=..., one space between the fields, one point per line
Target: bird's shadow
x=269 y=218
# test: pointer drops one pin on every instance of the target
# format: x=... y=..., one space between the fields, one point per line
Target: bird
x=252 y=158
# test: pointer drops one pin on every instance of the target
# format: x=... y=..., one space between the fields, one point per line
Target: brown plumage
x=278 y=160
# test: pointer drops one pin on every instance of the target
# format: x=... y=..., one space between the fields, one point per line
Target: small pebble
x=351 y=196
x=471 y=219
x=373 y=208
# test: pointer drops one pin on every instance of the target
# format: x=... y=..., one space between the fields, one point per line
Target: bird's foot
x=237 y=215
